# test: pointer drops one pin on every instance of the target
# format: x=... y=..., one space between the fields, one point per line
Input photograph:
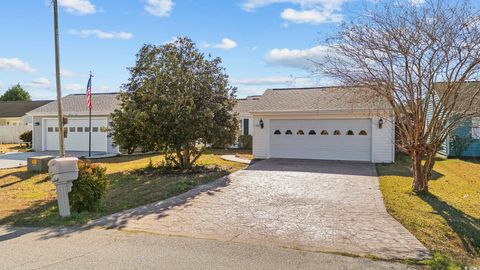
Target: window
x=245 y=127
x=95 y=129
x=50 y=129
x=72 y=129
x=312 y=132
x=362 y=133
x=476 y=128
x=87 y=129
x=337 y=132
x=103 y=129
x=350 y=133
x=288 y=132
x=79 y=129
x=324 y=132
x=56 y=129
x=300 y=132
x=277 y=132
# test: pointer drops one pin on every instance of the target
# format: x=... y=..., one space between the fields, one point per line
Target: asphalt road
x=30 y=248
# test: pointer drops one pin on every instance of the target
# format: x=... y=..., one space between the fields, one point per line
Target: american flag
x=89 y=92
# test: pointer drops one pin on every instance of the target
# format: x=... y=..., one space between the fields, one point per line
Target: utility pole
x=61 y=132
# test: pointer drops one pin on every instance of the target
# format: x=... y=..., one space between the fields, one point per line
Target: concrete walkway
x=235 y=159
x=19 y=159
x=305 y=204
x=30 y=248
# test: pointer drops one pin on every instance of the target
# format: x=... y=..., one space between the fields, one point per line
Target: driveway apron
x=313 y=205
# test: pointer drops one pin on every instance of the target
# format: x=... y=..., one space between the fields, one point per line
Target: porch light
x=261 y=123
x=380 y=123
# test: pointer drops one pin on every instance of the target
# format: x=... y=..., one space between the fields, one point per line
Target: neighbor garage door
x=321 y=139
x=77 y=138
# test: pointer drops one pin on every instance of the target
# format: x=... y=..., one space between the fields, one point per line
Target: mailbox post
x=63 y=172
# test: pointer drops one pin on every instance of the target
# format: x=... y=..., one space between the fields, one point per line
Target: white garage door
x=77 y=138
x=321 y=139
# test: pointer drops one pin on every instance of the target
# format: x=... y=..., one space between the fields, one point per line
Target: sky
x=263 y=43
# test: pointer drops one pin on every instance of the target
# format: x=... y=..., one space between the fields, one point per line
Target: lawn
x=4 y=148
x=29 y=198
x=447 y=220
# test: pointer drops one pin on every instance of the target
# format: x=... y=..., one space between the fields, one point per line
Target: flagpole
x=90 y=121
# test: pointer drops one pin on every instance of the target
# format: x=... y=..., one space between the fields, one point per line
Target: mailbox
x=63 y=172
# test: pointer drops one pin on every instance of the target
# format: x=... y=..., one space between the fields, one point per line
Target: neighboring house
x=331 y=123
x=13 y=120
x=243 y=108
x=13 y=113
x=45 y=123
x=465 y=140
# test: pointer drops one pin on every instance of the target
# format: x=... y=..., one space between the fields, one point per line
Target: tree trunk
x=420 y=179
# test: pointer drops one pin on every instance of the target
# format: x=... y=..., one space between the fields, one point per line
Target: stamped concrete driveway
x=312 y=205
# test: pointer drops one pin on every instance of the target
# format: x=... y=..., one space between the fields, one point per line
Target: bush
x=89 y=188
x=26 y=137
x=245 y=141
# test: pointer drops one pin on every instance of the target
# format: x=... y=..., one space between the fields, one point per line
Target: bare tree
x=419 y=58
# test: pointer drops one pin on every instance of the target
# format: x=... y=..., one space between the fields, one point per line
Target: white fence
x=10 y=134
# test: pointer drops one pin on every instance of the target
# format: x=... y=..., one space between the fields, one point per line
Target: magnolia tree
x=418 y=58
x=177 y=100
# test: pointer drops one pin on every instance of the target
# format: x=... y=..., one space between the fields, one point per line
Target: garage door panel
x=335 y=147
x=77 y=139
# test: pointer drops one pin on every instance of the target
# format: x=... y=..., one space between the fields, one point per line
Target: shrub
x=245 y=141
x=89 y=188
x=26 y=136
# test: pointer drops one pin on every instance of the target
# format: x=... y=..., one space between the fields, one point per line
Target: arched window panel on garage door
x=277 y=132
x=312 y=132
x=288 y=132
x=300 y=132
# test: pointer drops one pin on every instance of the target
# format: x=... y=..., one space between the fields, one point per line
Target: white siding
x=261 y=138
x=383 y=140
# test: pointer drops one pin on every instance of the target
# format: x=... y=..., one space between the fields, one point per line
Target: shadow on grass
x=466 y=226
x=401 y=167
x=124 y=158
x=22 y=176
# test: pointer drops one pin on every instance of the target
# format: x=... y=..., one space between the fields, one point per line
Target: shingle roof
x=319 y=99
x=19 y=108
x=465 y=99
x=246 y=105
x=102 y=104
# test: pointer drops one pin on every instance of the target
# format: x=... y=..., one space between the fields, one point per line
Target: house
x=13 y=113
x=332 y=123
x=45 y=123
x=465 y=139
x=13 y=119
x=243 y=108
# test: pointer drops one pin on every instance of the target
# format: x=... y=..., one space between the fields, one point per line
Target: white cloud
x=312 y=11
x=101 y=34
x=65 y=73
x=226 y=44
x=78 y=6
x=15 y=64
x=417 y=2
x=1 y=84
x=40 y=83
x=311 y=16
x=262 y=81
x=161 y=8
x=303 y=59
x=104 y=88
x=74 y=87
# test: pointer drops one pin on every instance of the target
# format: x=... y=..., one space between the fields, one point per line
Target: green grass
x=29 y=199
x=447 y=219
